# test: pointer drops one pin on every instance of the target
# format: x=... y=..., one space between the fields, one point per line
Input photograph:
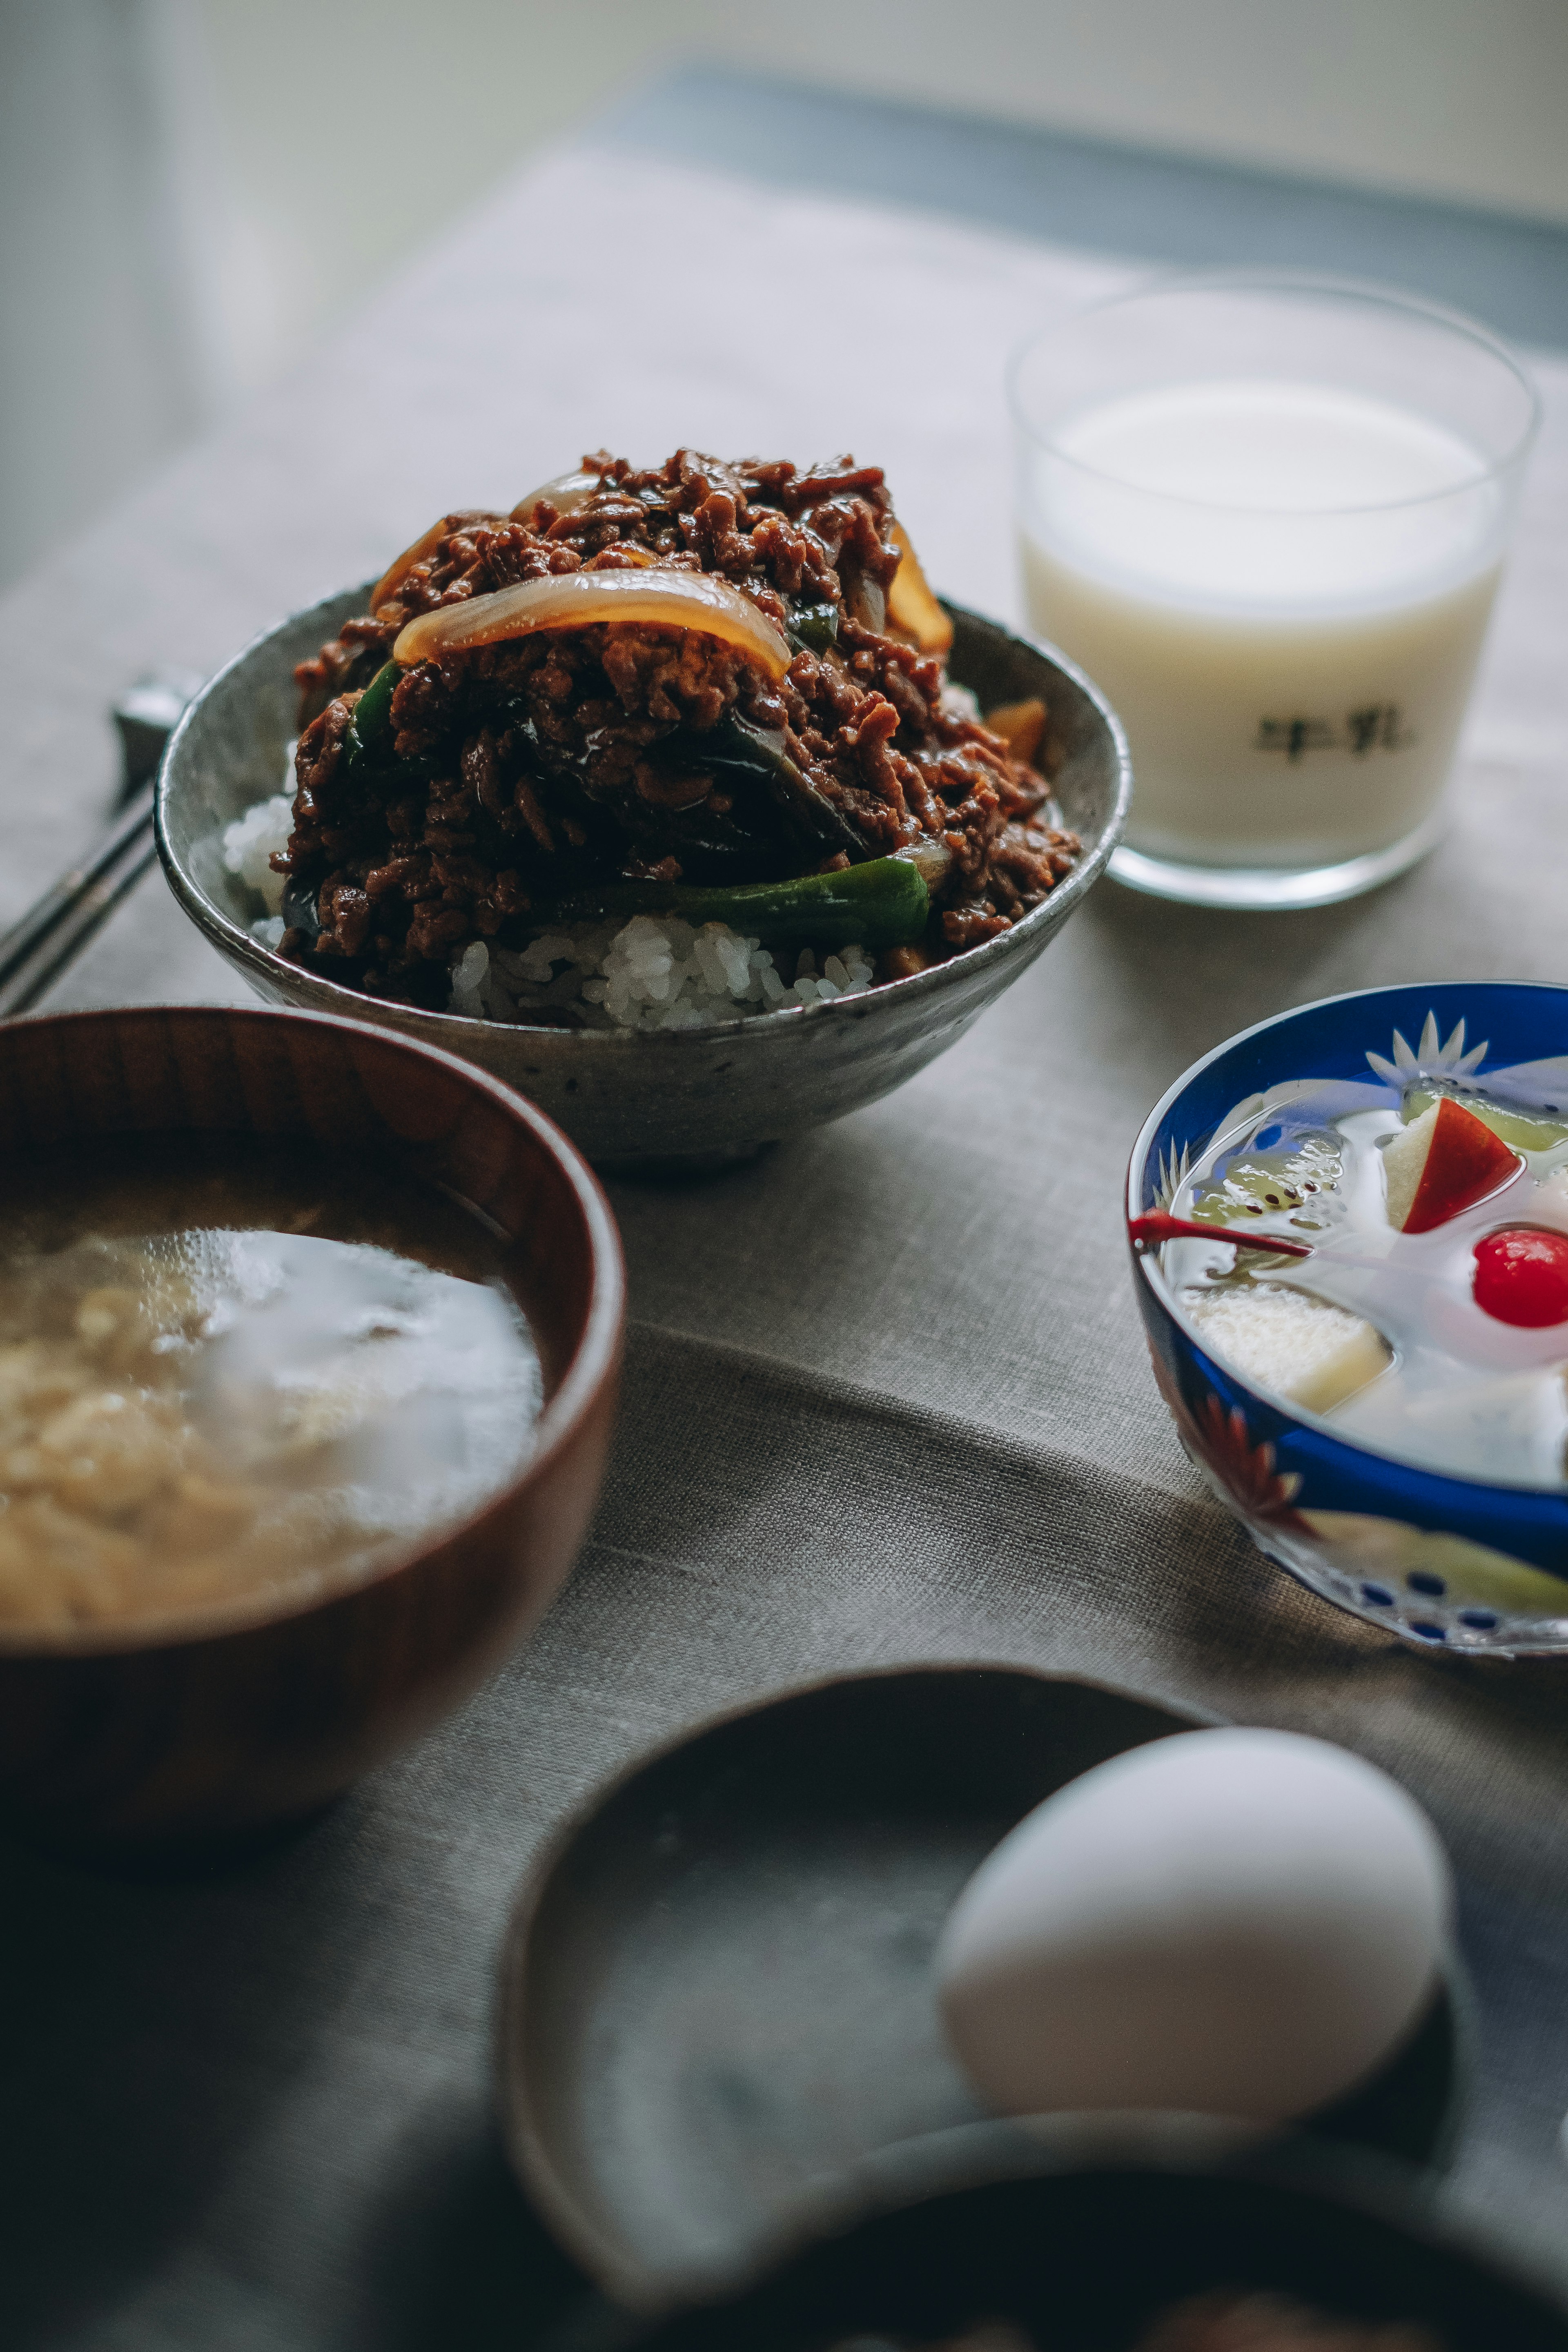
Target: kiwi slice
x=1298 y=1176
x=1524 y=1130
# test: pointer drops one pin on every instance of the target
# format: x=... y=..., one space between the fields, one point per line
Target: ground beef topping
x=517 y=772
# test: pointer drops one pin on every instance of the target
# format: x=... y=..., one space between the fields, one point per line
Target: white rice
x=249 y=842
x=654 y=973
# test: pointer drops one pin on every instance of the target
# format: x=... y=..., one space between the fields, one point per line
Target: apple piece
x=1442 y=1163
x=1305 y=1349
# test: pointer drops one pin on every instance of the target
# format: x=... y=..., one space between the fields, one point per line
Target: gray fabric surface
x=888 y=1397
x=255 y=2107
x=1177 y=210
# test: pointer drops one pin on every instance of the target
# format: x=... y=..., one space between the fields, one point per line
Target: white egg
x=1236 y=1923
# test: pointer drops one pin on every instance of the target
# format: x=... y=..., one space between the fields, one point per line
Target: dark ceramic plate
x=716 y=1994
x=1084 y=2242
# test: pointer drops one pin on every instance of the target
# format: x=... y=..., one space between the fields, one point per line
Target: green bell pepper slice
x=884 y=903
x=368 y=739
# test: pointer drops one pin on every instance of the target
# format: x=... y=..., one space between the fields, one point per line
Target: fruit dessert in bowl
x=1349 y=1235
x=673 y=796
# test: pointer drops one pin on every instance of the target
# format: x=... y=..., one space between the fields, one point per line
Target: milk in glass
x=1283 y=587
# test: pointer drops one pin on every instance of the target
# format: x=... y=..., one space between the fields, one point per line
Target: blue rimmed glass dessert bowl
x=1349 y=1229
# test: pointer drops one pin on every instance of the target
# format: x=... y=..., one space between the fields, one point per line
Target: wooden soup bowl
x=200 y=1728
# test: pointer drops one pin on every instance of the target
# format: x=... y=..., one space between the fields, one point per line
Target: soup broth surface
x=228 y=1364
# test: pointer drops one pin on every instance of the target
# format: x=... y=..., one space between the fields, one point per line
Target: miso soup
x=229 y=1365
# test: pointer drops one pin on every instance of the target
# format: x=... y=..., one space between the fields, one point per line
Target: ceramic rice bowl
x=700 y=1094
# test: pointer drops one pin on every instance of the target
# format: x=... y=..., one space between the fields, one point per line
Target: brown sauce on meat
x=518 y=772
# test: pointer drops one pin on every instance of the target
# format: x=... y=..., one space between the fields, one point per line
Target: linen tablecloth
x=886 y=1398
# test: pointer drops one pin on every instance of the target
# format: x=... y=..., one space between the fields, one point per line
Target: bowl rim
x=744 y=1032
x=529 y=2145
x=1133 y=1208
x=1126 y=2148
x=1289 y=279
x=593 y=1364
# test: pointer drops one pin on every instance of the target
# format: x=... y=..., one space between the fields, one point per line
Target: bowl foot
x=683 y=1167
x=167 y=1856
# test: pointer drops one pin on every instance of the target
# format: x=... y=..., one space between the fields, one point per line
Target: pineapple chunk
x=1305 y=1349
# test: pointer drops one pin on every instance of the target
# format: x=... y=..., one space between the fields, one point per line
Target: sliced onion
x=864 y=598
x=1020 y=725
x=396 y=573
x=566 y=493
x=911 y=608
x=576 y=600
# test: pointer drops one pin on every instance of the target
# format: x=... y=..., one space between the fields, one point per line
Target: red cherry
x=1521 y=1276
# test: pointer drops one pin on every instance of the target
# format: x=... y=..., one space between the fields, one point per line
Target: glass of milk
x=1268 y=514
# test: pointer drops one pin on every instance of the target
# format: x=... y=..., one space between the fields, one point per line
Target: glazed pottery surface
x=717 y=1996
x=206 y=1726
x=701 y=1095
x=1445 y=1562
x=1082 y=2240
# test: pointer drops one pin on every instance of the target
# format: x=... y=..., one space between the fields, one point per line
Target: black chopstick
x=56 y=926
